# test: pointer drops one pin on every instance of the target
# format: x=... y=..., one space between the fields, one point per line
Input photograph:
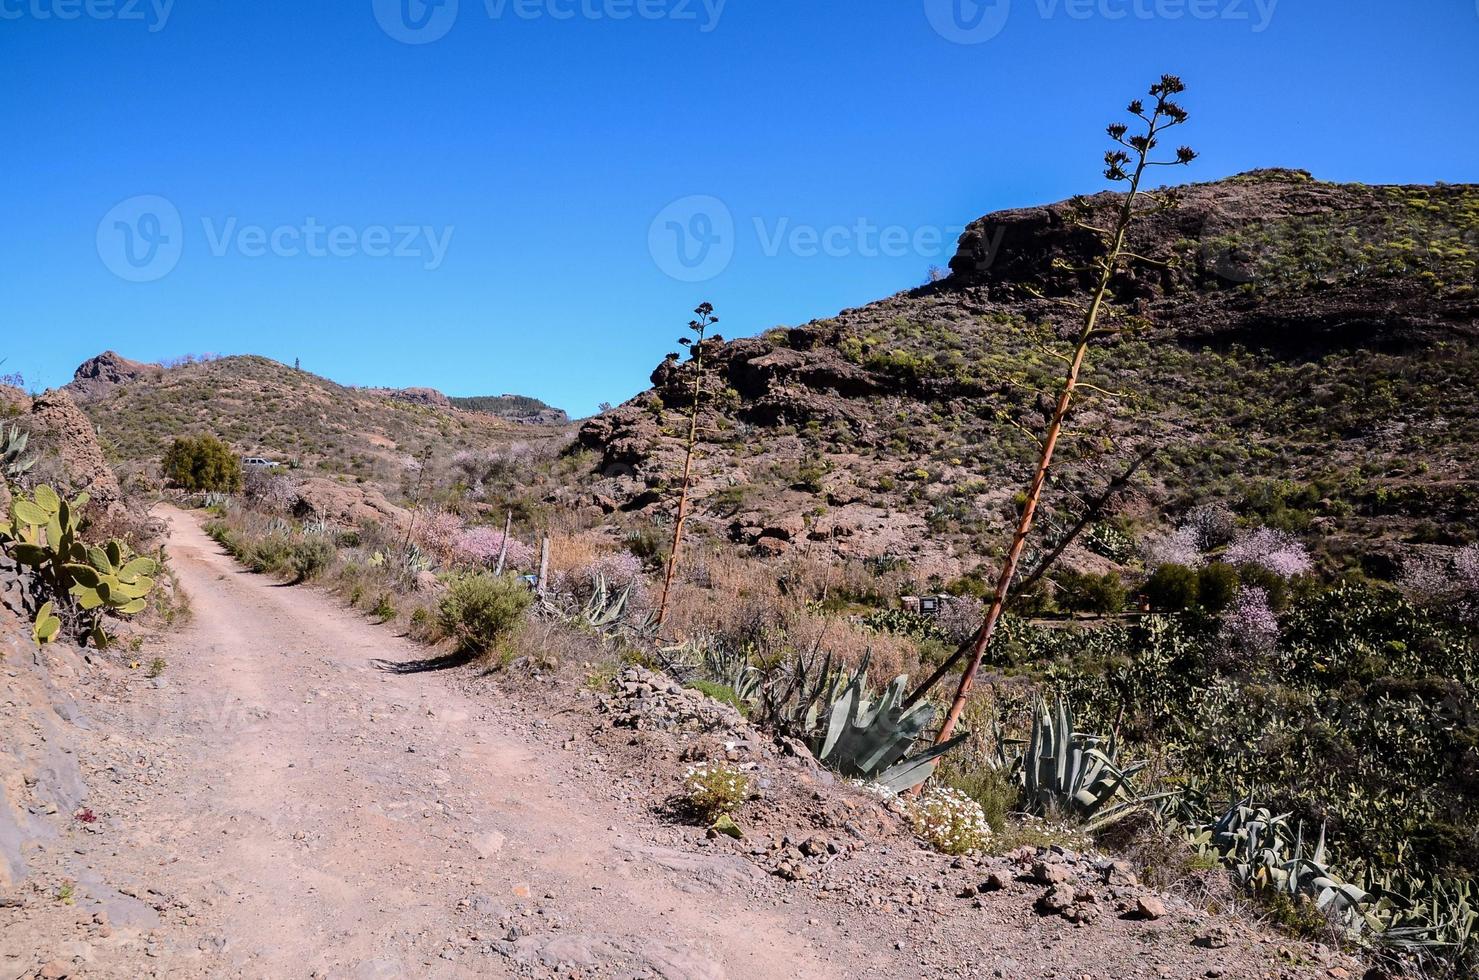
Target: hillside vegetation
x=1305 y=353
x=263 y=408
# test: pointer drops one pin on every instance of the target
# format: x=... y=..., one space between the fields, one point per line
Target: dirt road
x=284 y=802
x=304 y=811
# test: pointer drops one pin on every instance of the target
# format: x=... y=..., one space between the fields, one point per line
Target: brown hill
x=1306 y=352
x=263 y=408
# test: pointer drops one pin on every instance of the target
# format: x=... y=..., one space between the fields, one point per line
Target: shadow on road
x=444 y=662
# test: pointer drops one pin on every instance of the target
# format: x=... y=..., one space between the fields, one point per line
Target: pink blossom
x=481 y=545
x=959 y=618
x=1250 y=624
x=437 y=531
x=1178 y=547
x=1441 y=576
x=1273 y=550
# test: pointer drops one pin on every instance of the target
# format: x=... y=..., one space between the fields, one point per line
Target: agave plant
x=606 y=606
x=791 y=700
x=1312 y=876
x=870 y=740
x=1423 y=916
x=1070 y=771
x=12 y=449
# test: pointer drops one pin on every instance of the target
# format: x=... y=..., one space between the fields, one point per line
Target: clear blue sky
x=550 y=142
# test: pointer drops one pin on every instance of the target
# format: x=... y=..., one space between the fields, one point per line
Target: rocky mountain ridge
x=1284 y=343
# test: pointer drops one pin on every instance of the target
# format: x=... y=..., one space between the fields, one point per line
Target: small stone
x=994 y=882
x=1215 y=938
x=54 y=970
x=814 y=847
x=1056 y=900
x=1149 y=907
x=1120 y=875
x=1051 y=873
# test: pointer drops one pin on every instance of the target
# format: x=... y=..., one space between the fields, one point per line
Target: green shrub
x=197 y=463
x=481 y=610
x=1217 y=585
x=720 y=692
x=1173 y=588
x=311 y=557
x=271 y=555
x=385 y=609
x=1087 y=592
x=993 y=789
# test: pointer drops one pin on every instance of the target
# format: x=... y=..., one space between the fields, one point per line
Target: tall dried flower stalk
x=699 y=327
x=1128 y=163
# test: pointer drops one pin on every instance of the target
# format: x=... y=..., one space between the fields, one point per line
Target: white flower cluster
x=949 y=821
x=715 y=789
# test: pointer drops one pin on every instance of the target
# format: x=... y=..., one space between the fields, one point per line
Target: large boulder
x=346 y=505
x=13 y=401
x=107 y=371
x=58 y=426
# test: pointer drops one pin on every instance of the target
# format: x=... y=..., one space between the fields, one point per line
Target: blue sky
x=499 y=205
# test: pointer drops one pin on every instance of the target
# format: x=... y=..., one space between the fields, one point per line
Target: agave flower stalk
x=1128 y=163
x=699 y=327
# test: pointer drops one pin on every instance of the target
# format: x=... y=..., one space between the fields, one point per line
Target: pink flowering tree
x=1250 y=625
x=482 y=545
x=1178 y=547
x=437 y=531
x=1266 y=548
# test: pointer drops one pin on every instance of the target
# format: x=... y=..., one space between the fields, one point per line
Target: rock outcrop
x=107 y=371
x=422 y=396
x=1270 y=297
x=58 y=426
x=40 y=781
x=345 y=505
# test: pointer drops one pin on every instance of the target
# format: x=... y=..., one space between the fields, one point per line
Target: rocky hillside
x=1307 y=352
x=519 y=408
x=263 y=408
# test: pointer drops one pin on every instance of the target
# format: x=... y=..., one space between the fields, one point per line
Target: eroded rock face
x=347 y=506
x=40 y=781
x=58 y=425
x=422 y=396
x=107 y=371
x=13 y=401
